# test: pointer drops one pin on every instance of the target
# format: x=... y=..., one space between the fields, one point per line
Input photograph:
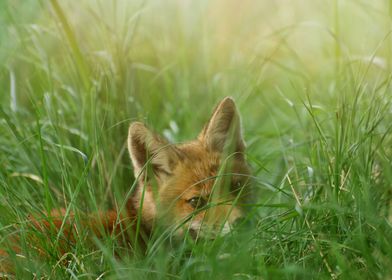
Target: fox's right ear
x=144 y=146
x=224 y=128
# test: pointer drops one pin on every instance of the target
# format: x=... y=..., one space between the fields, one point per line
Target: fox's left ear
x=144 y=147
x=223 y=130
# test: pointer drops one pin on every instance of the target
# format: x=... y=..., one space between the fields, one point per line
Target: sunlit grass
x=312 y=80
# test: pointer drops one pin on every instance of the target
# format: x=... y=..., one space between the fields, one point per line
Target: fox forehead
x=196 y=171
x=200 y=162
x=196 y=168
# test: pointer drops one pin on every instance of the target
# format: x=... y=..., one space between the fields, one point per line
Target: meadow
x=312 y=81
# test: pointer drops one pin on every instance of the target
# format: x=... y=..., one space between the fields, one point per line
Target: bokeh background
x=311 y=80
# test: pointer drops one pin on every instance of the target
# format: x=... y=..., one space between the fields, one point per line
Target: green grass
x=312 y=80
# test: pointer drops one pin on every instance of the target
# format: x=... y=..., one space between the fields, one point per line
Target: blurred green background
x=312 y=80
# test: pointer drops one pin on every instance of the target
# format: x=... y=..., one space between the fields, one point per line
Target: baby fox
x=195 y=188
x=199 y=185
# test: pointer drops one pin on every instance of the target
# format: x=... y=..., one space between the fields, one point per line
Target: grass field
x=312 y=80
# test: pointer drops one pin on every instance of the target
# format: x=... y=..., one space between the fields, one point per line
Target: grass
x=311 y=79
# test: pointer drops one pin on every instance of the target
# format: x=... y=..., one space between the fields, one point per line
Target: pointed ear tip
x=228 y=102
x=136 y=127
x=229 y=98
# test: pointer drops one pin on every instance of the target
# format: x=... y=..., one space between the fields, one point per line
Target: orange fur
x=194 y=187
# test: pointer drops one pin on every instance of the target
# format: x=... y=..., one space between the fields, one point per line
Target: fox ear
x=224 y=128
x=144 y=146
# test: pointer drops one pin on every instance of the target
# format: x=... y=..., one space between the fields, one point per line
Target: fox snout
x=220 y=224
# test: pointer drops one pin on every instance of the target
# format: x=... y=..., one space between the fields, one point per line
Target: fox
x=196 y=188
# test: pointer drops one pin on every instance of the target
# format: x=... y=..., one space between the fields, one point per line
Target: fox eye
x=197 y=202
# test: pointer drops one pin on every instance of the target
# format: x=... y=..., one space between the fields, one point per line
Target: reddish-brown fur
x=211 y=169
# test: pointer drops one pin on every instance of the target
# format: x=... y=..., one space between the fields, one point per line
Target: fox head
x=195 y=187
